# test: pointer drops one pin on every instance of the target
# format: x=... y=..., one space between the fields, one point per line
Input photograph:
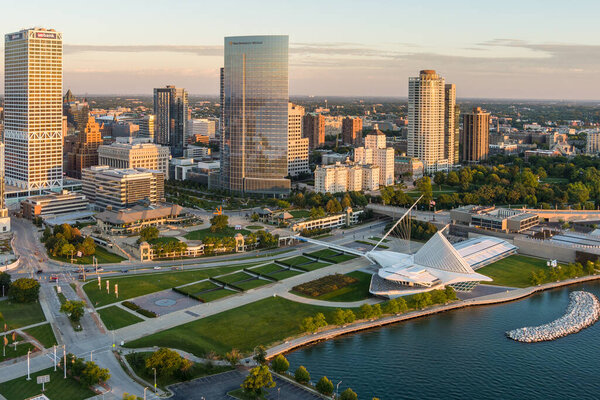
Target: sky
x=527 y=49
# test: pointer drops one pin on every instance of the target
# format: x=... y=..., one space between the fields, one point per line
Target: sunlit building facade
x=171 y=118
x=33 y=121
x=255 y=130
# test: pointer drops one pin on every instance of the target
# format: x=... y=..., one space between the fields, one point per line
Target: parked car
x=157 y=267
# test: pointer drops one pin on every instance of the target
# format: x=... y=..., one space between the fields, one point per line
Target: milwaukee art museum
x=436 y=265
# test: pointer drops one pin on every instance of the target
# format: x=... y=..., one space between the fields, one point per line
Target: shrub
x=24 y=290
x=301 y=375
x=130 y=305
x=146 y=313
x=325 y=386
x=325 y=285
x=280 y=364
x=348 y=394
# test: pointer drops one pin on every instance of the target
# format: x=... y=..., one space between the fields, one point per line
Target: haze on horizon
x=510 y=50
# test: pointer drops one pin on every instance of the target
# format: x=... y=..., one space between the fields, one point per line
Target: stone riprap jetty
x=583 y=311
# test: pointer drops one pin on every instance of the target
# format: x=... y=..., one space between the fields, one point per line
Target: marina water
x=464 y=354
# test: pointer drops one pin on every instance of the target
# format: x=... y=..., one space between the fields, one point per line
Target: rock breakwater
x=583 y=311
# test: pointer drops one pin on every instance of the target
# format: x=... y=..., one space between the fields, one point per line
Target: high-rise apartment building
x=147 y=126
x=347 y=177
x=221 y=99
x=135 y=153
x=255 y=136
x=122 y=188
x=352 y=131
x=592 y=144
x=376 y=153
x=33 y=123
x=476 y=136
x=297 y=145
x=4 y=218
x=171 y=113
x=84 y=153
x=450 y=123
x=314 y=130
x=426 y=120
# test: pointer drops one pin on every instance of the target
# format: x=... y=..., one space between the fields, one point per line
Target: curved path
x=325 y=303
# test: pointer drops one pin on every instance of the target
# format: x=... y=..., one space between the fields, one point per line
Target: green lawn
x=137 y=362
x=267 y=269
x=283 y=274
x=354 y=292
x=300 y=213
x=341 y=258
x=296 y=261
x=17 y=315
x=324 y=253
x=198 y=287
x=57 y=389
x=21 y=350
x=377 y=239
x=43 y=334
x=102 y=255
x=313 y=266
x=139 y=285
x=164 y=239
x=514 y=271
x=253 y=227
x=227 y=232
x=115 y=317
x=215 y=294
x=264 y=322
x=232 y=278
x=252 y=284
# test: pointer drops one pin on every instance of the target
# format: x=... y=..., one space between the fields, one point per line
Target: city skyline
x=345 y=49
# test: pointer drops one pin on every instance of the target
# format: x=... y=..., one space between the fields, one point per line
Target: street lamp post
x=146 y=388
x=154 y=379
x=337 y=388
x=65 y=361
x=54 y=358
x=28 y=377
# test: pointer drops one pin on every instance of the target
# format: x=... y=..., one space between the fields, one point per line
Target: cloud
x=198 y=50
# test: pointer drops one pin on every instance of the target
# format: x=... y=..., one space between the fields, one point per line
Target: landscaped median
x=57 y=388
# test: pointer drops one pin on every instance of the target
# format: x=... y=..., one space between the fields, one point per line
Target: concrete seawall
x=497 y=298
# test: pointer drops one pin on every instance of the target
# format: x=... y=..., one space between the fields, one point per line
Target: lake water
x=464 y=354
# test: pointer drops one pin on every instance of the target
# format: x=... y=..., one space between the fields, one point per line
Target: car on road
x=157 y=267
x=124 y=271
x=54 y=278
x=40 y=271
x=99 y=269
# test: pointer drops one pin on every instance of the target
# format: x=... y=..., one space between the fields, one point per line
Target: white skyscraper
x=426 y=116
x=33 y=108
x=297 y=145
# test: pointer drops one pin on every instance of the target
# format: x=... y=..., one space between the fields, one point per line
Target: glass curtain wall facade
x=171 y=116
x=255 y=130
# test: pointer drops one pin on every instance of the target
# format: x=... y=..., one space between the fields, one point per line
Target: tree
x=590 y=268
x=439 y=178
x=148 y=233
x=280 y=364
x=377 y=312
x=366 y=311
x=349 y=316
x=67 y=249
x=392 y=307
x=4 y=282
x=348 y=394
x=333 y=206
x=339 y=317
x=74 y=309
x=260 y=355
x=422 y=300
x=24 y=290
x=233 y=357
x=308 y=325
x=166 y=362
x=127 y=396
x=325 y=386
x=346 y=201
x=93 y=374
x=301 y=375
x=88 y=246
x=218 y=223
x=424 y=188
x=452 y=179
x=258 y=378
x=317 y=212
x=320 y=321
x=534 y=279
x=438 y=297
x=450 y=293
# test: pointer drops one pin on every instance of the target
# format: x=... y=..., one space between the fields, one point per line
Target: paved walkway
x=324 y=303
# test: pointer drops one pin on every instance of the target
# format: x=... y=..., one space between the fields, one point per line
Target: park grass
x=341 y=258
x=198 y=287
x=213 y=295
x=58 y=388
x=17 y=315
x=137 y=362
x=377 y=239
x=265 y=322
x=314 y=266
x=513 y=271
x=139 y=285
x=255 y=227
x=102 y=255
x=236 y=277
x=283 y=274
x=324 y=253
x=354 y=292
x=267 y=269
x=229 y=231
x=300 y=213
x=252 y=284
x=21 y=350
x=115 y=317
x=164 y=240
x=43 y=334
x=295 y=261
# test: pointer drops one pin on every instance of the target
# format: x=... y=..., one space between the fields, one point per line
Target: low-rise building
x=196 y=152
x=53 y=204
x=135 y=153
x=179 y=168
x=410 y=168
x=346 y=177
x=122 y=188
x=347 y=218
x=134 y=219
x=201 y=126
x=497 y=219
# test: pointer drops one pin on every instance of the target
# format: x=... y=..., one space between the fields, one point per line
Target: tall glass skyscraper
x=171 y=118
x=255 y=135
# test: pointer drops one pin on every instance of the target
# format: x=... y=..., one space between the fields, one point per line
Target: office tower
x=476 y=134
x=147 y=126
x=377 y=153
x=297 y=145
x=171 y=111
x=426 y=116
x=222 y=99
x=352 y=131
x=33 y=108
x=84 y=153
x=450 y=123
x=4 y=218
x=255 y=136
x=314 y=129
x=135 y=153
x=122 y=188
x=456 y=134
x=592 y=144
